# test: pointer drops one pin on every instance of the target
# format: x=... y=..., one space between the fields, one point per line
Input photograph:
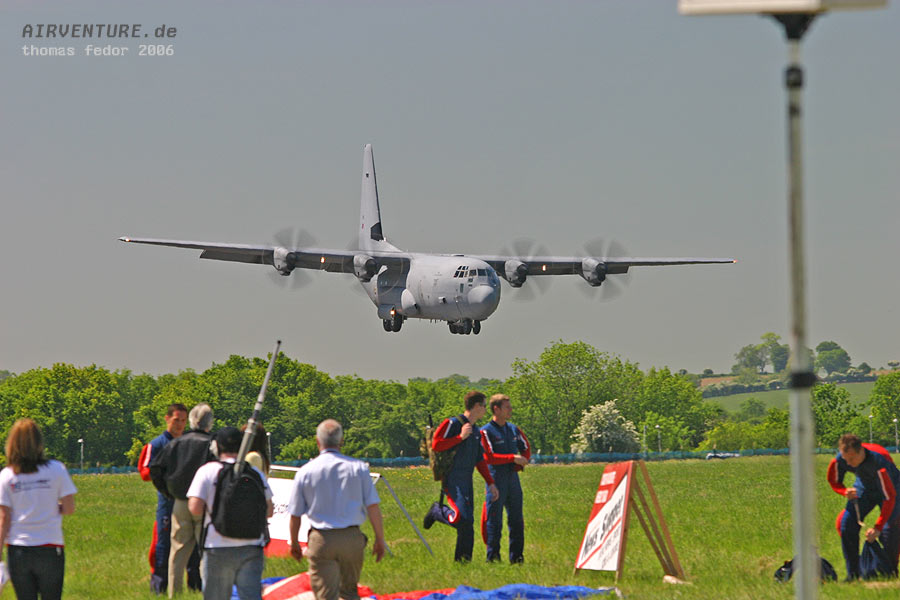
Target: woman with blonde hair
x=34 y=495
x=258 y=454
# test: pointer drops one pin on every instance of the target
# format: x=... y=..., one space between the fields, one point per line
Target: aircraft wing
x=573 y=265
x=320 y=259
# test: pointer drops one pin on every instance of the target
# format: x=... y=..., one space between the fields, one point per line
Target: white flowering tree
x=603 y=429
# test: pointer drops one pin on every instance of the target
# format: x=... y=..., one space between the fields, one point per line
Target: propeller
x=614 y=284
x=352 y=245
x=292 y=238
x=525 y=249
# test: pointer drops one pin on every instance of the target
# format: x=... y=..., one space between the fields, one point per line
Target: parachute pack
x=440 y=462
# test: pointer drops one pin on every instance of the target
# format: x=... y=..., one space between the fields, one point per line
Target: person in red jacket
x=176 y=420
x=877 y=481
x=461 y=432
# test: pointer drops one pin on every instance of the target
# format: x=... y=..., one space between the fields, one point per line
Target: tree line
x=557 y=400
x=829 y=357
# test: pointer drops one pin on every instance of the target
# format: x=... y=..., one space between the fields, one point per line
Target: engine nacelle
x=364 y=267
x=593 y=271
x=516 y=272
x=283 y=260
x=408 y=304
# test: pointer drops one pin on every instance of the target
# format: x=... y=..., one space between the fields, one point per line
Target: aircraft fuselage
x=443 y=288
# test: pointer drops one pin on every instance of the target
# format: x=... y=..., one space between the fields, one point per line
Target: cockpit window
x=472 y=273
x=482 y=272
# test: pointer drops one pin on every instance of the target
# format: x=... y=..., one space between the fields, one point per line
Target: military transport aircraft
x=461 y=289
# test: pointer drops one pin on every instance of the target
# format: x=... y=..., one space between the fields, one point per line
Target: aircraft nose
x=484 y=298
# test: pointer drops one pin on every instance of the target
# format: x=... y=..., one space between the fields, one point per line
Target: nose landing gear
x=394 y=323
x=465 y=326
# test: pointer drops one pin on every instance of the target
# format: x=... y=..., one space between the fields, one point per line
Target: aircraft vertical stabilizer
x=370 y=234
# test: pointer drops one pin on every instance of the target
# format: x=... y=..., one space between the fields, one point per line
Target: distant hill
x=859 y=393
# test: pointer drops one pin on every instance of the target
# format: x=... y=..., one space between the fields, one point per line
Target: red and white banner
x=279 y=524
x=602 y=547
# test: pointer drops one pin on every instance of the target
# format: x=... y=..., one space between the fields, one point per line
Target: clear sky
x=491 y=121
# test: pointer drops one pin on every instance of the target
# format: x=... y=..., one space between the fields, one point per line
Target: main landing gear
x=394 y=323
x=465 y=327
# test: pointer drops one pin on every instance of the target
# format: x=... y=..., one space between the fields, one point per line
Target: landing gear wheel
x=476 y=327
x=467 y=327
x=387 y=324
x=452 y=326
x=397 y=323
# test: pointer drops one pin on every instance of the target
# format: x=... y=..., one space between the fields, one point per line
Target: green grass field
x=859 y=393
x=730 y=521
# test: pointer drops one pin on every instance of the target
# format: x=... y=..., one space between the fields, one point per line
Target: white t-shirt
x=33 y=500
x=203 y=486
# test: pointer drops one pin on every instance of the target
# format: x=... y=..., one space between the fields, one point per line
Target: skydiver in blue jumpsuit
x=507 y=451
x=461 y=432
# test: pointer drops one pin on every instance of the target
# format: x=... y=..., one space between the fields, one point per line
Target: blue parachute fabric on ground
x=507 y=592
x=520 y=590
x=266 y=581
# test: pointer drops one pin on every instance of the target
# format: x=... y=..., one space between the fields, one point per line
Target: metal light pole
x=658 y=440
x=896 y=441
x=81 y=442
x=269 y=444
x=870 y=428
x=645 y=439
x=802 y=378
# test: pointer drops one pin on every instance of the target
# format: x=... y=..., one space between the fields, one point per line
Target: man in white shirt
x=226 y=561
x=336 y=494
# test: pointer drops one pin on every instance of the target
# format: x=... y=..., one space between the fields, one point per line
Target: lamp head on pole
x=747 y=7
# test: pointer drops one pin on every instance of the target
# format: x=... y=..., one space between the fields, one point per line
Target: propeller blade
x=595 y=248
x=292 y=238
x=616 y=250
x=526 y=293
x=296 y=280
x=614 y=285
x=353 y=246
x=284 y=238
x=526 y=249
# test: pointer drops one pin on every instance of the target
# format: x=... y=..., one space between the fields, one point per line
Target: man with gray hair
x=336 y=494
x=172 y=474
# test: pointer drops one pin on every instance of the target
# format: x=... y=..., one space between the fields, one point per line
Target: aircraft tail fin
x=370 y=235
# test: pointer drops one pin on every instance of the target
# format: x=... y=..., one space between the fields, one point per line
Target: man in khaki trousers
x=336 y=494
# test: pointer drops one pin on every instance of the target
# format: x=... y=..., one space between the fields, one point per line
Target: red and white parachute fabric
x=298 y=588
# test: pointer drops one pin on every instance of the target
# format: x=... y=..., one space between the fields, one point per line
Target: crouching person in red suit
x=877 y=481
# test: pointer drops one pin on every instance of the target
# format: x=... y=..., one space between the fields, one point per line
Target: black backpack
x=826 y=572
x=239 y=507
